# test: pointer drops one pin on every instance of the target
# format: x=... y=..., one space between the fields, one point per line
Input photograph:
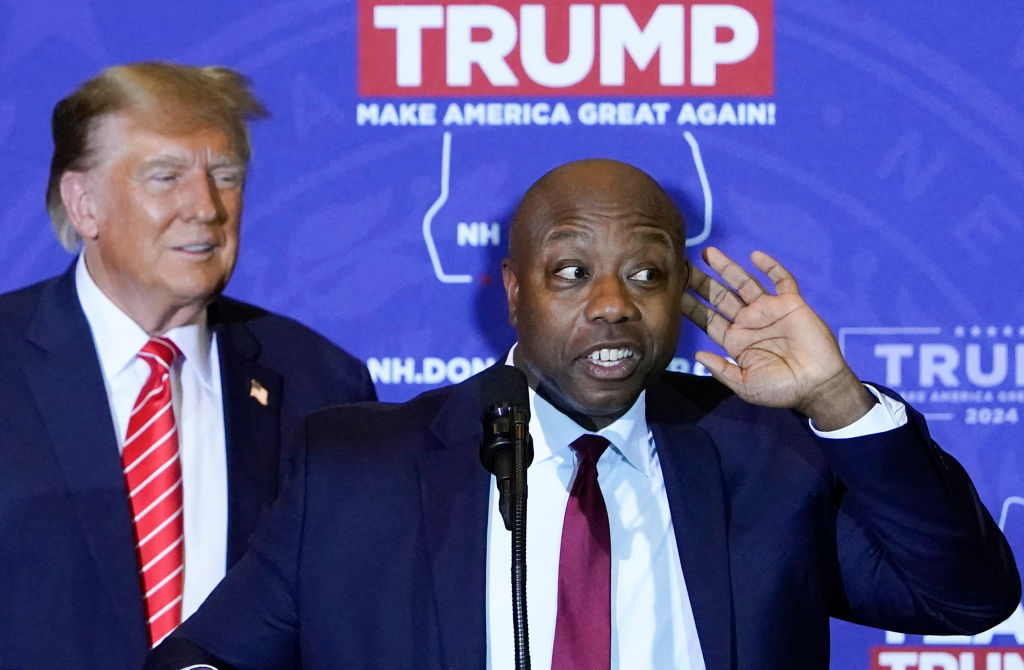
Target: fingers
x=707 y=319
x=695 y=311
x=782 y=280
x=725 y=303
x=745 y=286
x=720 y=297
x=748 y=288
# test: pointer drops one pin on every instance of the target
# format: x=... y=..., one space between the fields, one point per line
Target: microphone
x=505 y=401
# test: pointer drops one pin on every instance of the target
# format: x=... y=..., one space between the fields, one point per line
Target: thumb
x=721 y=369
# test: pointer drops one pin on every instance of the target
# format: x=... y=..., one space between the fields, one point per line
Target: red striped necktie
x=583 y=616
x=152 y=472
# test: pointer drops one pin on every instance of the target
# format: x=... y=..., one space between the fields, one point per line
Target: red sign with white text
x=947 y=658
x=420 y=48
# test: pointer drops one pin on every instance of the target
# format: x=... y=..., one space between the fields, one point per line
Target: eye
x=162 y=181
x=571 y=272
x=645 y=275
x=227 y=178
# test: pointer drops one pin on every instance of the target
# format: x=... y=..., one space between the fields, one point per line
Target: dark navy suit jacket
x=375 y=557
x=69 y=586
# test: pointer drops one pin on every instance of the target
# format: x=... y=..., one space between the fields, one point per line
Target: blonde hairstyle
x=169 y=97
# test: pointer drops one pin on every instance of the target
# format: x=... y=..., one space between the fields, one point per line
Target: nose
x=610 y=300
x=201 y=200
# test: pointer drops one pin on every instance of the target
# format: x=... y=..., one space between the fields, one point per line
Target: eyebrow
x=221 y=161
x=163 y=161
x=226 y=161
x=653 y=234
x=566 y=233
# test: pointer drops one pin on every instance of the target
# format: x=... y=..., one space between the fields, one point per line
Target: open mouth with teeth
x=196 y=248
x=610 y=357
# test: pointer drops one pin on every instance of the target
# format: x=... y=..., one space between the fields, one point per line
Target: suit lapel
x=454 y=494
x=64 y=375
x=696 y=495
x=454 y=490
x=252 y=407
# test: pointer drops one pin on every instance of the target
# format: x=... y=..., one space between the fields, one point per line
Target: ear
x=508 y=278
x=76 y=193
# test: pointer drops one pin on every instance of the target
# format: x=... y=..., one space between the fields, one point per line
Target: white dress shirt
x=198 y=412
x=652 y=621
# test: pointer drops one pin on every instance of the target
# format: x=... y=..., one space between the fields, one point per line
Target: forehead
x=125 y=136
x=600 y=233
x=592 y=204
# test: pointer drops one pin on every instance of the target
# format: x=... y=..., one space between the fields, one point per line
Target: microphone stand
x=522 y=456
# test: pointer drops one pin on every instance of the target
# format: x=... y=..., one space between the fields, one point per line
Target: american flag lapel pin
x=256 y=390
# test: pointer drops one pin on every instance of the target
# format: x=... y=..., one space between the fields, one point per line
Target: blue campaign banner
x=875 y=148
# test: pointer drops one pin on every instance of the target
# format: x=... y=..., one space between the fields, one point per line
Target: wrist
x=838 y=403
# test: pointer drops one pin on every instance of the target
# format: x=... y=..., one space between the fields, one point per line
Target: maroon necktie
x=152 y=473
x=583 y=624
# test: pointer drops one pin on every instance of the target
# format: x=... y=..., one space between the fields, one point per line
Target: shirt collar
x=629 y=435
x=118 y=338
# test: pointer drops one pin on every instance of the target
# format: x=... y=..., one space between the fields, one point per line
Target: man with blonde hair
x=145 y=421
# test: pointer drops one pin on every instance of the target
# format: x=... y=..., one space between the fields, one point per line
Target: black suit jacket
x=69 y=586
x=375 y=557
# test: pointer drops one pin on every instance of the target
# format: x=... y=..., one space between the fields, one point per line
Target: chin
x=605 y=407
x=197 y=291
x=610 y=412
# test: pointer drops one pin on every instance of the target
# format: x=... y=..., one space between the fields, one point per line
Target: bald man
x=737 y=514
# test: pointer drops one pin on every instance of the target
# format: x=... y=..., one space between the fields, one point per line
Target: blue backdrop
x=876 y=149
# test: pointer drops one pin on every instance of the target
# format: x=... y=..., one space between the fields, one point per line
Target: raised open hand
x=785 y=355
